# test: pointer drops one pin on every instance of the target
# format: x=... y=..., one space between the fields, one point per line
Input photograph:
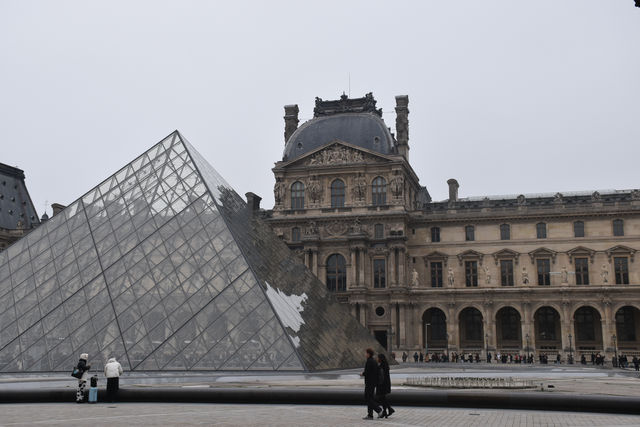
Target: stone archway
x=587 y=328
x=435 y=322
x=547 y=329
x=508 y=330
x=628 y=329
x=471 y=329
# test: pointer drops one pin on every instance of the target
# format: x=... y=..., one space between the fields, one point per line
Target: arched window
x=618 y=227
x=379 y=191
x=578 y=229
x=505 y=232
x=541 y=230
x=337 y=194
x=297 y=195
x=336 y=273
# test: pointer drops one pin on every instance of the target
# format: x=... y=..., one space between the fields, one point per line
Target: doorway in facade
x=381 y=336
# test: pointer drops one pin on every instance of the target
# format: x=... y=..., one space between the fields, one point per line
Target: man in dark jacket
x=370 y=375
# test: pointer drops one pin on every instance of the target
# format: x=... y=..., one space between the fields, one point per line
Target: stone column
x=566 y=328
x=351 y=278
x=401 y=267
x=363 y=314
x=526 y=328
x=391 y=262
x=307 y=263
x=394 y=325
x=402 y=327
x=452 y=329
x=314 y=263
x=489 y=329
x=361 y=280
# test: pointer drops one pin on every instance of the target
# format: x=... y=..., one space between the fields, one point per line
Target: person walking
x=384 y=386
x=370 y=375
x=83 y=366
x=636 y=363
x=112 y=370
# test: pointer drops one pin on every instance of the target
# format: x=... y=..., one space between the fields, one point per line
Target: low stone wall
x=547 y=401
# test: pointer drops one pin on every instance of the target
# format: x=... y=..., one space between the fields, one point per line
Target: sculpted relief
x=359 y=187
x=336 y=155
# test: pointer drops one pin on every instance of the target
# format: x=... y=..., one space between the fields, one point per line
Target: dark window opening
x=544 y=272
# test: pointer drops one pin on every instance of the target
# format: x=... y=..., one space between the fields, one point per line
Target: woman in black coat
x=384 y=387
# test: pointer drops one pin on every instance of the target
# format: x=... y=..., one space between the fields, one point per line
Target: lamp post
x=570 y=350
x=615 y=350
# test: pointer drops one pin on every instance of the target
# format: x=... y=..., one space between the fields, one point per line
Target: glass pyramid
x=163 y=267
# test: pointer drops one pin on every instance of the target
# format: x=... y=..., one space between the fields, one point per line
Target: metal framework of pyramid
x=163 y=266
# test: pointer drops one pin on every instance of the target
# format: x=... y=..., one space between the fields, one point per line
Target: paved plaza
x=287 y=415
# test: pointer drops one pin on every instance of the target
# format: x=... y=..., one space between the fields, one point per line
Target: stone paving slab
x=130 y=414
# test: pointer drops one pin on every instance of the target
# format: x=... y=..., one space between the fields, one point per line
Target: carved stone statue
x=451 y=277
x=415 y=277
x=397 y=185
x=357 y=226
x=525 y=275
x=564 y=275
x=314 y=189
x=635 y=194
x=312 y=228
x=521 y=199
x=487 y=275
x=360 y=188
x=278 y=192
x=604 y=273
x=595 y=196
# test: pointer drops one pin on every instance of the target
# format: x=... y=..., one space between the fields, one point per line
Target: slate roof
x=15 y=202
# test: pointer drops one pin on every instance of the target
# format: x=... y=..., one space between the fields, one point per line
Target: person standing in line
x=112 y=370
x=83 y=366
x=370 y=375
x=384 y=386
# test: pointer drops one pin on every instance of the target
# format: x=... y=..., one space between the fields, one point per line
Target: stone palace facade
x=541 y=273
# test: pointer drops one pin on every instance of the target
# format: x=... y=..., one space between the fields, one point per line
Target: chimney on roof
x=402 y=125
x=57 y=208
x=290 y=120
x=453 y=190
x=253 y=202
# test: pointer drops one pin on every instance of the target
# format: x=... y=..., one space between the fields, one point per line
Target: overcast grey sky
x=507 y=96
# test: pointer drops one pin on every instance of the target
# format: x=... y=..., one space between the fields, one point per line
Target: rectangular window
x=435 y=234
x=541 y=230
x=436 y=274
x=544 y=272
x=469 y=233
x=506 y=272
x=582 y=271
x=295 y=234
x=578 y=229
x=379 y=273
x=471 y=273
x=378 y=231
x=505 y=232
x=621 y=268
x=618 y=227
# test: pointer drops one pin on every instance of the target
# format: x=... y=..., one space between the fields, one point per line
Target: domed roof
x=365 y=130
x=354 y=121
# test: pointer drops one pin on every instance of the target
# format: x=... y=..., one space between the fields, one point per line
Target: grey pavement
x=131 y=414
